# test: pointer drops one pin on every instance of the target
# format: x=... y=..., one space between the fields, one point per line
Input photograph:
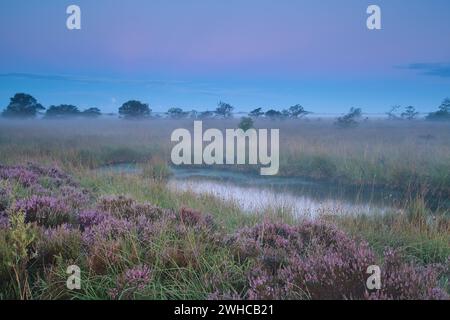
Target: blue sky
x=250 y=53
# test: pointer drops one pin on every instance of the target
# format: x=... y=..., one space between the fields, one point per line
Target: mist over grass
x=135 y=238
x=410 y=155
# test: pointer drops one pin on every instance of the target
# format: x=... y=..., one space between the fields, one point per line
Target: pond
x=254 y=193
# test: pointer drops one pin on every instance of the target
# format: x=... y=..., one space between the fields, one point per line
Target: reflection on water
x=257 y=193
x=300 y=196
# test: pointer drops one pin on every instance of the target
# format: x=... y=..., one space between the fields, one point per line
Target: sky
x=249 y=53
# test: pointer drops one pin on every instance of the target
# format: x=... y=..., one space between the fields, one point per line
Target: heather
x=135 y=238
x=135 y=243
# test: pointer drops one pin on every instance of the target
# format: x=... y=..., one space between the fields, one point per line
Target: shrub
x=134 y=110
x=350 y=119
x=21 y=175
x=314 y=260
x=132 y=282
x=22 y=106
x=406 y=281
x=45 y=210
x=62 y=241
x=246 y=123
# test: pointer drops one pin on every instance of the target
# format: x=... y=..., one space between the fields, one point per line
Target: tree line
x=23 y=105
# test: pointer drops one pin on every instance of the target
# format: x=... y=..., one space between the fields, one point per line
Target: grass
x=410 y=156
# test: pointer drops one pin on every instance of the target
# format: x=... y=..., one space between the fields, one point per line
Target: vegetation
x=350 y=120
x=256 y=113
x=62 y=111
x=159 y=249
x=91 y=113
x=177 y=113
x=134 y=237
x=134 y=110
x=224 y=110
x=443 y=114
x=410 y=113
x=246 y=123
x=22 y=106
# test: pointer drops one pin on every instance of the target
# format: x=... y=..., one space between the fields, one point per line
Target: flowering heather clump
x=63 y=241
x=5 y=198
x=310 y=260
x=124 y=207
x=89 y=218
x=44 y=210
x=56 y=176
x=317 y=261
x=110 y=228
x=22 y=175
x=133 y=281
x=4 y=221
x=117 y=205
x=193 y=218
x=405 y=281
x=75 y=197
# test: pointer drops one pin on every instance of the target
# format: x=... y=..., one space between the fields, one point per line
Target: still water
x=254 y=193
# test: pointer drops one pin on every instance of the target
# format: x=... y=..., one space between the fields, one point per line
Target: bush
x=45 y=210
x=246 y=123
x=317 y=261
x=350 y=119
x=62 y=241
x=134 y=110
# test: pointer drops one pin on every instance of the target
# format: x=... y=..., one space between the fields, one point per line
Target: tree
x=246 y=123
x=273 y=114
x=443 y=114
x=194 y=114
x=22 y=105
x=134 y=109
x=206 y=115
x=91 y=113
x=257 y=113
x=62 y=111
x=297 y=111
x=410 y=113
x=350 y=119
x=224 y=110
x=177 y=113
x=392 y=114
x=285 y=114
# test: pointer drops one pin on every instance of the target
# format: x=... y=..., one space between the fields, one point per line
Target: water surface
x=259 y=193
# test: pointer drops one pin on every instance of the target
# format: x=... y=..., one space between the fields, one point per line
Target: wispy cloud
x=90 y=79
x=430 y=69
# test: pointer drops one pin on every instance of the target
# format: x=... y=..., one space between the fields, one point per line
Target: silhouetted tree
x=443 y=114
x=91 y=113
x=392 y=114
x=177 y=113
x=246 y=123
x=134 y=109
x=285 y=114
x=257 y=113
x=273 y=114
x=62 y=111
x=297 y=111
x=410 y=113
x=194 y=114
x=350 y=119
x=22 y=105
x=224 y=110
x=206 y=115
